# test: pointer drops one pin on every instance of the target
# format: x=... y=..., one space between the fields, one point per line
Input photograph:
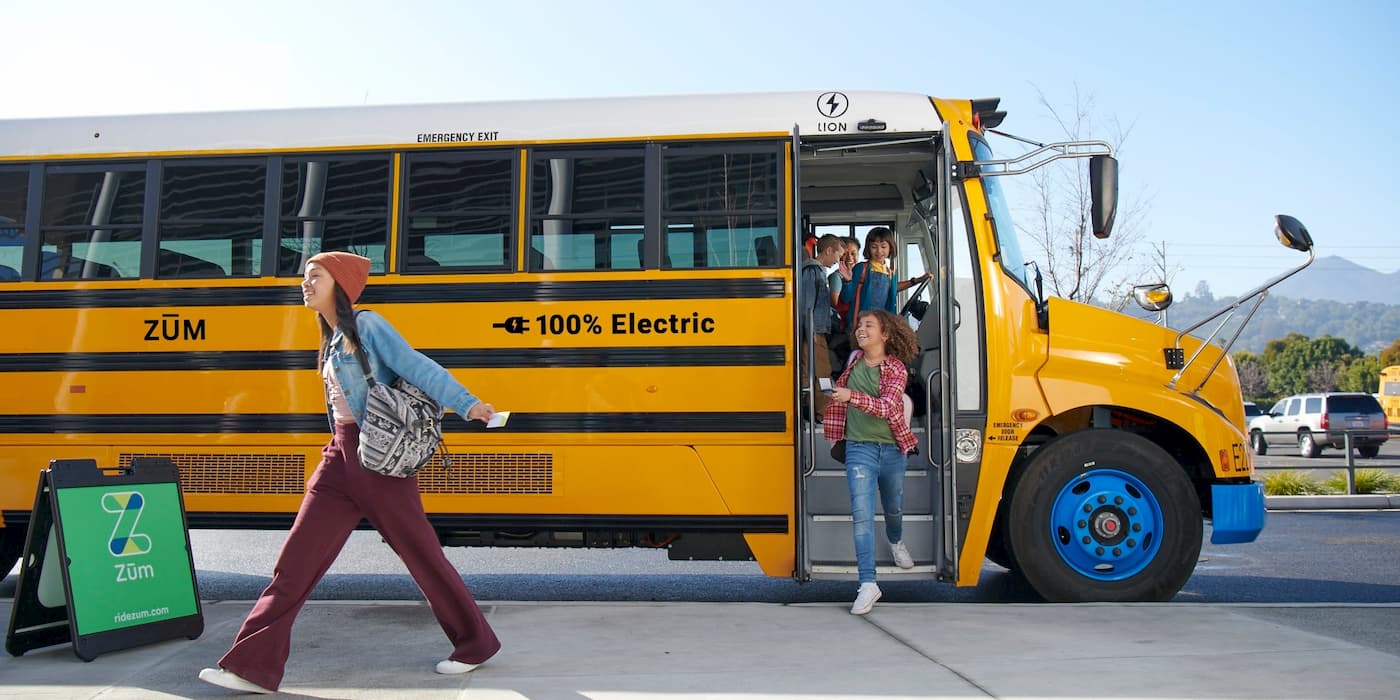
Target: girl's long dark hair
x=345 y=319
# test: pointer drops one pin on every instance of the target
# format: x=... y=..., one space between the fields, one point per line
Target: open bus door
x=850 y=183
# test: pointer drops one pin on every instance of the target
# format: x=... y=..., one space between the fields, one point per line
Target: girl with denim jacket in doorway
x=340 y=491
x=872 y=284
x=867 y=411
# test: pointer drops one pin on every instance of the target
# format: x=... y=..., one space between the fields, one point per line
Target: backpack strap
x=364 y=362
x=854 y=312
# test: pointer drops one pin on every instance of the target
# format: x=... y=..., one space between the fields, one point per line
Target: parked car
x=1251 y=410
x=1314 y=421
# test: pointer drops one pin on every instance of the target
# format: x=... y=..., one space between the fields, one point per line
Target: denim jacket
x=391 y=357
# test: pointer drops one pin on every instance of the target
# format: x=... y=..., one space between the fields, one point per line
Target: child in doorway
x=872 y=284
x=867 y=410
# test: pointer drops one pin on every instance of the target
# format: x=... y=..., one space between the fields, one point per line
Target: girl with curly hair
x=867 y=411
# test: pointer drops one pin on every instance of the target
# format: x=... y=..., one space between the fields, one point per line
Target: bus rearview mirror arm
x=1291 y=233
x=1103 y=173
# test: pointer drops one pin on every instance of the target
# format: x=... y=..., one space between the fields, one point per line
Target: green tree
x=1286 y=364
x=1297 y=364
x=1391 y=355
x=1364 y=374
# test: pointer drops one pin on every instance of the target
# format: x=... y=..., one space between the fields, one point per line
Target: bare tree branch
x=1079 y=266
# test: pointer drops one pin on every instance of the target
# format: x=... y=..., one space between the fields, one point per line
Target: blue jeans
x=870 y=465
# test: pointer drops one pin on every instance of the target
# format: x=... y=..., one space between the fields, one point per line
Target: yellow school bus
x=620 y=275
x=1389 y=394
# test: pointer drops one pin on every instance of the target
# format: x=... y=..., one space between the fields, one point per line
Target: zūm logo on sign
x=125 y=541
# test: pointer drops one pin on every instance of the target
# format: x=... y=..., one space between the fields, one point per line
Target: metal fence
x=1347 y=448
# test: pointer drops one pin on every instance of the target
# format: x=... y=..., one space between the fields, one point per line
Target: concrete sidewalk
x=635 y=651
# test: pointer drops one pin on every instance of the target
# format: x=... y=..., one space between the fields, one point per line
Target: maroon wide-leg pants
x=339 y=493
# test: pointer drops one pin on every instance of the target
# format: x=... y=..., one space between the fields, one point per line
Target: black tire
x=1144 y=492
x=999 y=550
x=1307 y=445
x=1368 y=451
x=1257 y=441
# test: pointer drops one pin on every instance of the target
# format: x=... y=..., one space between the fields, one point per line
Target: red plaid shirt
x=888 y=405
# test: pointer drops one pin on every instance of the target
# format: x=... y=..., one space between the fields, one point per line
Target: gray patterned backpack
x=402 y=427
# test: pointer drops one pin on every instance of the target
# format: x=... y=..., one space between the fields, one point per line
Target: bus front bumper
x=1237 y=512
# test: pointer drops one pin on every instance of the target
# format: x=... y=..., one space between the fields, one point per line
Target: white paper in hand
x=498 y=420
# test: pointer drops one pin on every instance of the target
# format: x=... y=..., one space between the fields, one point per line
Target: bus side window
x=91 y=221
x=211 y=218
x=458 y=212
x=585 y=205
x=334 y=203
x=717 y=204
x=14 y=195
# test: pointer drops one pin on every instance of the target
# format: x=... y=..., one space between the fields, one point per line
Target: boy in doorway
x=816 y=305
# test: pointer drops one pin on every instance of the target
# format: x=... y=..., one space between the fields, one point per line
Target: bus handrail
x=1060 y=149
x=810 y=465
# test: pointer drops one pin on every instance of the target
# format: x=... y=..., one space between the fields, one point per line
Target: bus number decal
x=172 y=327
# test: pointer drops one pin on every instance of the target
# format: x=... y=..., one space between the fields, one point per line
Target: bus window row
x=607 y=208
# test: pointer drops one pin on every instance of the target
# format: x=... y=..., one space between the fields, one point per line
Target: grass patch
x=1293 y=483
x=1367 y=481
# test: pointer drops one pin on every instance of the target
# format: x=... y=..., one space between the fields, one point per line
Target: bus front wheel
x=1104 y=515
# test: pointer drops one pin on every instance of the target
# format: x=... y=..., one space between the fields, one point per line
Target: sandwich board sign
x=107 y=562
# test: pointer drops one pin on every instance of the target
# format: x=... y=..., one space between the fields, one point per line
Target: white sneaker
x=448 y=667
x=865 y=598
x=901 y=555
x=232 y=681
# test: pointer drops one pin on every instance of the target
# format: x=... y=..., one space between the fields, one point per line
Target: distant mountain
x=1368 y=325
x=1339 y=279
x=1333 y=296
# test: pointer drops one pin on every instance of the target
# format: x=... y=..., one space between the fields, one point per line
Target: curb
x=1370 y=501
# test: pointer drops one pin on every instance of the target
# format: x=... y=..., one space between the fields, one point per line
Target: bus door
x=845 y=189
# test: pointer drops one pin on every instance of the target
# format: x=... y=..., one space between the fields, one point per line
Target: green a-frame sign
x=107 y=562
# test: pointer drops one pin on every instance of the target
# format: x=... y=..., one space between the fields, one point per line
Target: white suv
x=1314 y=421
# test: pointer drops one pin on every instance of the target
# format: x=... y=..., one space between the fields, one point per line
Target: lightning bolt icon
x=833 y=103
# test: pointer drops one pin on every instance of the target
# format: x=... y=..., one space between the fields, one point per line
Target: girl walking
x=340 y=491
x=867 y=411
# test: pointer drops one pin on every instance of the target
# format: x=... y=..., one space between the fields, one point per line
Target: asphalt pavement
x=755 y=651
x=752 y=651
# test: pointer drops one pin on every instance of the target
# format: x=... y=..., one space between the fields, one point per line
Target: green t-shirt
x=861 y=426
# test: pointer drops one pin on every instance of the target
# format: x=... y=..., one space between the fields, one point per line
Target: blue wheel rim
x=1106 y=524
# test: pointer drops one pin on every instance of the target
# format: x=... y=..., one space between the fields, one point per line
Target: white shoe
x=448 y=667
x=232 y=681
x=901 y=555
x=865 y=598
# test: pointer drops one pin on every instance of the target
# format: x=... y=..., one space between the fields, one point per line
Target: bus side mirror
x=1103 y=188
x=1292 y=233
x=1153 y=297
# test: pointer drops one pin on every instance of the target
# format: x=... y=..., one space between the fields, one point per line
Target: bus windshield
x=1007 y=241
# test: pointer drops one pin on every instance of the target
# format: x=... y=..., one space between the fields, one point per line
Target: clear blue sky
x=1240 y=110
